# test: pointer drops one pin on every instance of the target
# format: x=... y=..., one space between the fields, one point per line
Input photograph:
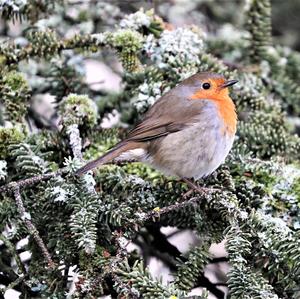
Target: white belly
x=192 y=153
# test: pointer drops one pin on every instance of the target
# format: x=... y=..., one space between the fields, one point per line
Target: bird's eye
x=206 y=85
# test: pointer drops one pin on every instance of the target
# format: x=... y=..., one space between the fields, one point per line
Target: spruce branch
x=15 y=94
x=260 y=27
x=25 y=216
x=76 y=220
x=75 y=110
x=12 y=54
x=31 y=181
x=115 y=264
x=26 y=10
x=189 y=271
x=157 y=212
x=12 y=251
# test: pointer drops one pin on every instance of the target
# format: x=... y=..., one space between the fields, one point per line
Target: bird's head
x=214 y=87
x=210 y=86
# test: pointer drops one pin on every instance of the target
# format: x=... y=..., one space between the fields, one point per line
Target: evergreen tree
x=77 y=229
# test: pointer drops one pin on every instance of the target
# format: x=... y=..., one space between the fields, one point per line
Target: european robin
x=187 y=133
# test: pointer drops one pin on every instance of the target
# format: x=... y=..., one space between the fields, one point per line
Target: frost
x=288 y=175
x=123 y=242
x=140 y=215
x=100 y=37
x=148 y=93
x=175 y=48
x=3 y=170
x=89 y=180
x=26 y=216
x=267 y=295
x=135 y=180
x=75 y=140
x=244 y=215
x=136 y=20
x=14 y=5
x=179 y=50
x=72 y=164
x=37 y=160
x=273 y=223
x=60 y=194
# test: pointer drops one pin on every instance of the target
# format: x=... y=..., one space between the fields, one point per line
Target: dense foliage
x=77 y=229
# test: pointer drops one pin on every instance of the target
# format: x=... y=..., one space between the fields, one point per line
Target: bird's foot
x=195 y=188
x=188 y=193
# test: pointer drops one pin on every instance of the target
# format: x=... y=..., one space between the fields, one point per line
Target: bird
x=187 y=133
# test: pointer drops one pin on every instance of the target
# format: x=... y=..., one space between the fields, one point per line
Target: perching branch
x=156 y=213
x=31 y=181
x=25 y=216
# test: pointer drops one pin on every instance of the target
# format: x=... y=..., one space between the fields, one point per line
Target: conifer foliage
x=76 y=230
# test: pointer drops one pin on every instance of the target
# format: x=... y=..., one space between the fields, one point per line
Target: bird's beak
x=229 y=83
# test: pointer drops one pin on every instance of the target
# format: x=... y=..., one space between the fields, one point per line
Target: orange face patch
x=224 y=103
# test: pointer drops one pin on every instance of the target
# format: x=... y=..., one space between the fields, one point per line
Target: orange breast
x=225 y=105
x=228 y=114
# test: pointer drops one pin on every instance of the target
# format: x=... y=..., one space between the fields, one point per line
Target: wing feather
x=168 y=115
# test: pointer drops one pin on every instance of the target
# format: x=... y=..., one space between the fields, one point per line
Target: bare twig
x=43 y=177
x=114 y=265
x=175 y=207
x=31 y=228
x=31 y=181
x=75 y=141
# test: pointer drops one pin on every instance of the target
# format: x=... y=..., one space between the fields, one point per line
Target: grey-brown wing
x=147 y=133
x=168 y=115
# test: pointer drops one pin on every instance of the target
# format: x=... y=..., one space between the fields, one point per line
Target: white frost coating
x=75 y=140
x=72 y=164
x=123 y=242
x=136 y=180
x=3 y=169
x=90 y=182
x=267 y=295
x=37 y=160
x=244 y=215
x=111 y=119
x=136 y=20
x=60 y=194
x=180 y=46
x=148 y=93
x=141 y=215
x=15 y=5
x=277 y=224
x=249 y=83
x=289 y=174
x=179 y=50
x=100 y=37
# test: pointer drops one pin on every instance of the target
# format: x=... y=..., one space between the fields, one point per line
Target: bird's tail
x=115 y=152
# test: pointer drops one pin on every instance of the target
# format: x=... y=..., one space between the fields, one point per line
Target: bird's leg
x=187 y=193
x=195 y=187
